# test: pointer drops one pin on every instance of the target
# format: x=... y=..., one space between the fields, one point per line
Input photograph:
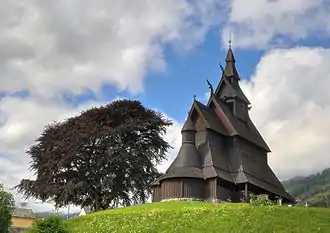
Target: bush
x=254 y=200
x=52 y=224
x=6 y=209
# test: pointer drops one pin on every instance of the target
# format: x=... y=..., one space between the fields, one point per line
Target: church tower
x=222 y=156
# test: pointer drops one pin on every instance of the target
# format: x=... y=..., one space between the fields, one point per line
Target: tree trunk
x=97 y=204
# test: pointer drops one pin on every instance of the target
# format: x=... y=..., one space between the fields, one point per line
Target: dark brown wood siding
x=200 y=124
x=210 y=189
x=223 y=194
x=252 y=152
x=182 y=188
x=156 y=194
x=193 y=188
x=171 y=189
x=225 y=190
x=201 y=137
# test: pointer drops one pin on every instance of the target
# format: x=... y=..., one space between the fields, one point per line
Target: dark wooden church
x=222 y=156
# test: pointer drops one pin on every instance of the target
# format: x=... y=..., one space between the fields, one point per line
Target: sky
x=60 y=57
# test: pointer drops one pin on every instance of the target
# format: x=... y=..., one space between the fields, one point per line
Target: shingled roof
x=230 y=88
x=23 y=213
x=262 y=176
x=230 y=69
x=187 y=163
x=206 y=159
x=210 y=117
x=246 y=130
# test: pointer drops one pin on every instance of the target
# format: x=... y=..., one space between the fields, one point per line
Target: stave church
x=223 y=156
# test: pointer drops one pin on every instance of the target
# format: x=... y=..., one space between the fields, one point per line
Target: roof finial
x=194 y=97
x=221 y=67
x=210 y=86
x=230 y=41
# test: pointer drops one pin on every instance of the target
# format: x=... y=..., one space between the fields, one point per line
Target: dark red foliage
x=101 y=158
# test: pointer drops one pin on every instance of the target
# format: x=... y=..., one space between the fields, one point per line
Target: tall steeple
x=230 y=69
x=229 y=90
x=230 y=55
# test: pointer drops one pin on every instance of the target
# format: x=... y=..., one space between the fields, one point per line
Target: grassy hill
x=315 y=188
x=199 y=217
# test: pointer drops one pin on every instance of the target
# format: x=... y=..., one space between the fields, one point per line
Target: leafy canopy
x=103 y=157
x=6 y=209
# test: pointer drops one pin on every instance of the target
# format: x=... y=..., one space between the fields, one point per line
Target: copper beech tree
x=102 y=158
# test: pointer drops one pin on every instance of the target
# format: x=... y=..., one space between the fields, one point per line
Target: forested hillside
x=63 y=215
x=314 y=189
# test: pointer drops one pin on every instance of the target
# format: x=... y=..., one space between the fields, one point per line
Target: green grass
x=203 y=217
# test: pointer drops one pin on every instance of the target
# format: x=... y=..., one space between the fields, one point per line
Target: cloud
x=269 y=23
x=50 y=47
x=173 y=137
x=24 y=121
x=290 y=96
x=53 y=47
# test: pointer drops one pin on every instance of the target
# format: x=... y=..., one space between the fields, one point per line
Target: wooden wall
x=252 y=152
x=179 y=188
x=156 y=193
x=199 y=123
x=171 y=189
x=21 y=222
x=193 y=188
x=223 y=194
x=210 y=189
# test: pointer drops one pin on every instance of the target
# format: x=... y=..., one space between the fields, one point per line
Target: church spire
x=229 y=88
x=230 y=69
x=230 y=55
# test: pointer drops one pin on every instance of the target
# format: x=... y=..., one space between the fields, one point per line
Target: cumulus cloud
x=173 y=137
x=265 y=23
x=290 y=95
x=25 y=119
x=23 y=122
x=49 y=47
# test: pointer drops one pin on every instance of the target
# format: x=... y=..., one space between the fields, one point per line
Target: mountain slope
x=314 y=189
x=64 y=216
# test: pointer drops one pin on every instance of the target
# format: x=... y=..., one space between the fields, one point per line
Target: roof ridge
x=200 y=103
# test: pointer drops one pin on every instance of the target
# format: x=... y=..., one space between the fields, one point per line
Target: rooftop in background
x=23 y=213
x=22 y=219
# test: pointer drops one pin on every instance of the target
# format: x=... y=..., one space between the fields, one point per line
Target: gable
x=198 y=120
x=224 y=88
x=205 y=118
x=228 y=89
x=223 y=118
x=246 y=130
